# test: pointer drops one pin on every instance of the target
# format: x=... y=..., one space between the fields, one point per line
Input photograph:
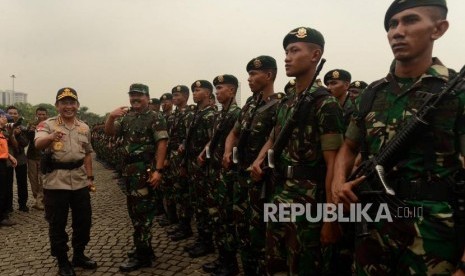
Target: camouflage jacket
x=319 y=128
x=141 y=131
x=395 y=102
x=199 y=132
x=224 y=122
x=260 y=126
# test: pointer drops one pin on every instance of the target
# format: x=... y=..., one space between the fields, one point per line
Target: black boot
x=229 y=266
x=132 y=253
x=81 y=260
x=204 y=248
x=191 y=246
x=213 y=266
x=142 y=258
x=64 y=267
x=173 y=230
x=185 y=231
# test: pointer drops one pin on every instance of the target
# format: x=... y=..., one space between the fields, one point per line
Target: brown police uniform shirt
x=76 y=145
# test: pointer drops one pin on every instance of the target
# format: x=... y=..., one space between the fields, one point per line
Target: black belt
x=66 y=165
x=301 y=172
x=423 y=189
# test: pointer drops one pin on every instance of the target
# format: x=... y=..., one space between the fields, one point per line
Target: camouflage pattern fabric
x=294 y=247
x=424 y=245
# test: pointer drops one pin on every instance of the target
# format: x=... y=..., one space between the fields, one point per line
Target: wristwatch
x=90 y=177
x=461 y=266
x=160 y=171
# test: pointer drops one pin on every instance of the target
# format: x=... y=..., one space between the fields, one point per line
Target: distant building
x=8 y=97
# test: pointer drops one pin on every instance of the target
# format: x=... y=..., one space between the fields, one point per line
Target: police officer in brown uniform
x=67 y=168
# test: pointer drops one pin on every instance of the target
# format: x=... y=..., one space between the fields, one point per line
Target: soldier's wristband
x=160 y=171
x=90 y=177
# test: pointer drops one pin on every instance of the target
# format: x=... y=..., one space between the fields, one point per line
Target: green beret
x=358 y=85
x=154 y=101
x=201 y=84
x=166 y=96
x=226 y=79
x=66 y=92
x=337 y=74
x=139 y=88
x=401 y=5
x=304 y=34
x=261 y=63
x=289 y=85
x=180 y=88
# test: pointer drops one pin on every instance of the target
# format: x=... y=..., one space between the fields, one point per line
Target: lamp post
x=13 y=77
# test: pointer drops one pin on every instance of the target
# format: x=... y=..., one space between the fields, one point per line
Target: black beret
x=166 y=96
x=139 y=88
x=304 y=34
x=180 y=88
x=154 y=101
x=337 y=74
x=201 y=84
x=225 y=79
x=261 y=63
x=289 y=85
x=358 y=85
x=66 y=92
x=401 y=5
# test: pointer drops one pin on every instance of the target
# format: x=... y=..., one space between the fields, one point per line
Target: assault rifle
x=219 y=130
x=185 y=159
x=239 y=150
x=283 y=137
x=375 y=186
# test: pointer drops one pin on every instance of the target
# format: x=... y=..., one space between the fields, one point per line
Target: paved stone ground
x=25 y=249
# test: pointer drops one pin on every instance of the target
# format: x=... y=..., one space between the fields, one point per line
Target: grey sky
x=100 y=47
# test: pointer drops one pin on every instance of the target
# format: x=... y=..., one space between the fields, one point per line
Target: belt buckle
x=290 y=172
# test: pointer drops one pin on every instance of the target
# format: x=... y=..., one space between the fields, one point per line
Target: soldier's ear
x=440 y=29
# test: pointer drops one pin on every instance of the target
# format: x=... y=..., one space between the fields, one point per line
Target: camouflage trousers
x=294 y=247
x=140 y=202
x=199 y=185
x=421 y=246
x=250 y=227
x=220 y=209
x=180 y=190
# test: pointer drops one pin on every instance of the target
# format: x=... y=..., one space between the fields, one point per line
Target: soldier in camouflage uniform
x=337 y=81
x=166 y=188
x=249 y=134
x=155 y=104
x=177 y=132
x=420 y=245
x=304 y=168
x=219 y=200
x=198 y=135
x=145 y=142
x=355 y=88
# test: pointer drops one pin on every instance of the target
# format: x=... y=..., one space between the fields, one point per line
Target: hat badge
x=292 y=82
x=257 y=63
x=178 y=88
x=66 y=93
x=335 y=75
x=221 y=78
x=301 y=33
x=197 y=84
x=164 y=97
x=357 y=84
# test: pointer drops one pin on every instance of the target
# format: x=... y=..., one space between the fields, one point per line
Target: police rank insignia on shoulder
x=257 y=63
x=336 y=75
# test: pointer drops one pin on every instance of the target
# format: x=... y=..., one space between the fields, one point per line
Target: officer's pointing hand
x=119 y=112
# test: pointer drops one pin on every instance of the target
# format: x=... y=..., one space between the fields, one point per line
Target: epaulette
x=192 y=107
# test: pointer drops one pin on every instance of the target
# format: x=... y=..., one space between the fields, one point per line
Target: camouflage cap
x=166 y=96
x=337 y=74
x=66 y=92
x=201 y=84
x=226 y=79
x=304 y=34
x=261 y=63
x=401 y=5
x=139 y=88
x=154 y=101
x=358 y=85
x=180 y=88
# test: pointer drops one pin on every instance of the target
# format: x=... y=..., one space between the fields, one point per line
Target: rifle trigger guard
x=387 y=188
